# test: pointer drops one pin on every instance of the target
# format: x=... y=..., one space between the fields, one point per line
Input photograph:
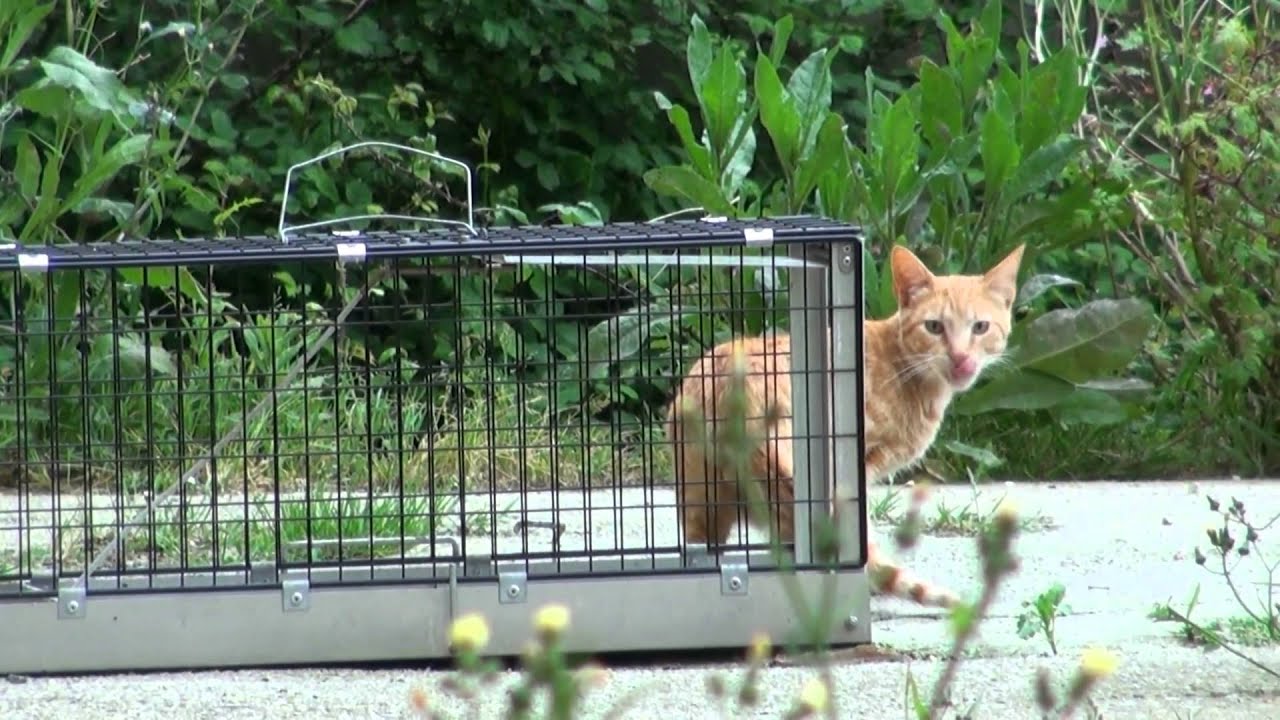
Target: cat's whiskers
x=915 y=366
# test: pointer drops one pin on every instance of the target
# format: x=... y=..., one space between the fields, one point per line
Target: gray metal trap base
x=296 y=621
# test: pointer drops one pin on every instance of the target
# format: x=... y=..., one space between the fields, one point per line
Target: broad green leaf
x=781 y=36
x=777 y=113
x=992 y=19
x=1037 y=285
x=165 y=279
x=699 y=54
x=1014 y=389
x=1041 y=167
x=899 y=147
x=699 y=155
x=27 y=167
x=1091 y=407
x=982 y=456
x=49 y=205
x=724 y=96
x=1128 y=389
x=738 y=165
x=941 y=108
x=99 y=86
x=683 y=182
x=1080 y=344
x=810 y=89
x=999 y=152
x=126 y=152
x=20 y=27
x=824 y=157
x=114 y=209
x=44 y=99
x=136 y=353
x=620 y=337
x=834 y=191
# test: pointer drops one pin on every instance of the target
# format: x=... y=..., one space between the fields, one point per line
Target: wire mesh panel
x=242 y=451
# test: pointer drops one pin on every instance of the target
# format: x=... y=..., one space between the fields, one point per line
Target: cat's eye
x=980 y=327
x=933 y=327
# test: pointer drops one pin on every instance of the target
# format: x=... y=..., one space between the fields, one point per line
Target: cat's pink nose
x=963 y=366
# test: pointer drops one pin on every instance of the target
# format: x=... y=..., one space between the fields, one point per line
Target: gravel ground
x=1117 y=547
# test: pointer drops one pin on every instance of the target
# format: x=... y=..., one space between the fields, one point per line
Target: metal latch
x=71 y=603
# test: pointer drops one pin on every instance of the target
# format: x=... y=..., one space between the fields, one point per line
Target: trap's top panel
x=450 y=241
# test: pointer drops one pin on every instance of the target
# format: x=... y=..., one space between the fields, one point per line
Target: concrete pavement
x=1117 y=547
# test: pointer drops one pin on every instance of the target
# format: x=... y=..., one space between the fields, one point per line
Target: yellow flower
x=813 y=696
x=760 y=648
x=1098 y=663
x=1007 y=511
x=551 y=619
x=469 y=632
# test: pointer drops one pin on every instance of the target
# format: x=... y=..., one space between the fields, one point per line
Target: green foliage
x=1040 y=615
x=967 y=162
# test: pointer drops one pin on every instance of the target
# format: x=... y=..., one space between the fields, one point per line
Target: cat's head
x=954 y=326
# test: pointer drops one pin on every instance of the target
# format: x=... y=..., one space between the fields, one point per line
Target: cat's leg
x=706 y=502
x=772 y=466
x=887 y=576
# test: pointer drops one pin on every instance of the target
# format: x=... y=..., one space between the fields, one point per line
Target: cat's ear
x=1002 y=280
x=910 y=276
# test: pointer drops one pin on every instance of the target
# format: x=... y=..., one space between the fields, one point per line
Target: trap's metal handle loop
x=288 y=181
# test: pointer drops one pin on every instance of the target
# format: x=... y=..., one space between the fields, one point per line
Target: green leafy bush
x=969 y=161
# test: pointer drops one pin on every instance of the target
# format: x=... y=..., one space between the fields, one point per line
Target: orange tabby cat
x=946 y=331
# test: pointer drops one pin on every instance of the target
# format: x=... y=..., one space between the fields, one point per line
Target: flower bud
x=813 y=696
x=551 y=620
x=469 y=632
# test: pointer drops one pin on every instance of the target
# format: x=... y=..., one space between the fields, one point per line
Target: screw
x=851 y=623
x=295 y=599
x=735 y=583
x=73 y=607
x=846 y=257
x=513 y=590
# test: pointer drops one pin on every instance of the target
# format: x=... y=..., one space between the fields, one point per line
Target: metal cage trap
x=323 y=447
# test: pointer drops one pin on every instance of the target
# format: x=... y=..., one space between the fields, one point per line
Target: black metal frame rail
x=436 y=242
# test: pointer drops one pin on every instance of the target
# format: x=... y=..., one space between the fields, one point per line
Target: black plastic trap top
x=444 y=241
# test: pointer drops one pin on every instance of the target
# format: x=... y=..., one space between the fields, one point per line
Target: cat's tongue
x=963 y=367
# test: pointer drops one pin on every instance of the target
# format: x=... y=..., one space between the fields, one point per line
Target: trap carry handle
x=285 y=229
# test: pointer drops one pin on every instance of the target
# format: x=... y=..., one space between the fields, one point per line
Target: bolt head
x=513 y=590
x=296 y=598
x=73 y=607
x=735 y=583
x=851 y=622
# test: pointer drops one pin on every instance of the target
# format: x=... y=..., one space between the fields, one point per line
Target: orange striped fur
x=947 y=330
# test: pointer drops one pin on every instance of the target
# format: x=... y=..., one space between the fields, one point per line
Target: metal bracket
x=72 y=603
x=262 y=573
x=734 y=575
x=844 y=257
x=758 y=237
x=35 y=262
x=513 y=586
x=295 y=595
x=699 y=557
x=477 y=566
x=351 y=252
